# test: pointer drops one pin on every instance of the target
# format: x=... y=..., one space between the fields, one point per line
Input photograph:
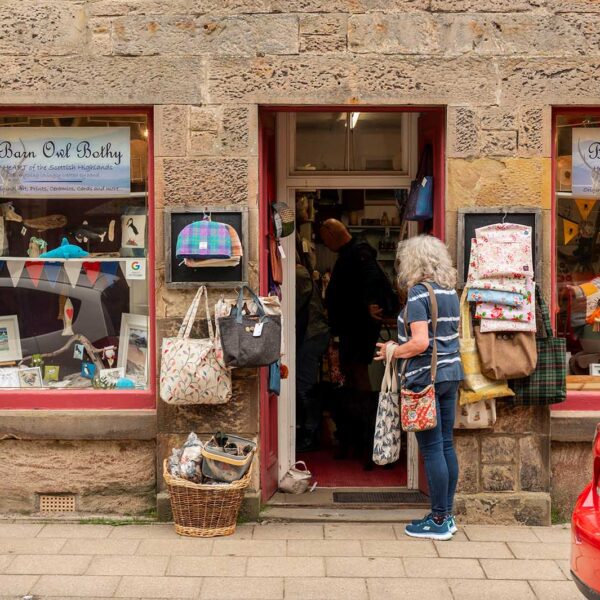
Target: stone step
x=340 y=515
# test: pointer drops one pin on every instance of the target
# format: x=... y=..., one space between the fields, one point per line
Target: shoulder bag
x=192 y=370
x=418 y=409
x=419 y=206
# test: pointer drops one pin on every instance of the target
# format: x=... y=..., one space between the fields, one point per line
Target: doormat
x=412 y=497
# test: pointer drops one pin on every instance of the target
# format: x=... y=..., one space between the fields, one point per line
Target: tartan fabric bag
x=548 y=383
x=204 y=239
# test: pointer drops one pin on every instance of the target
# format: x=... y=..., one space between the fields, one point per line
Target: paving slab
x=78 y=586
x=565 y=567
x=74 y=530
x=39 y=564
x=5 y=560
x=16 y=585
x=464 y=568
x=359 y=531
x=31 y=546
x=177 y=547
x=459 y=536
x=159 y=587
x=233 y=547
x=532 y=550
x=398 y=548
x=285 y=531
x=128 y=565
x=555 y=590
x=286 y=566
x=207 y=566
x=473 y=550
x=496 y=533
x=321 y=588
x=139 y=532
x=324 y=548
x=364 y=567
x=19 y=530
x=546 y=570
x=492 y=590
x=100 y=546
x=246 y=588
x=556 y=533
x=409 y=589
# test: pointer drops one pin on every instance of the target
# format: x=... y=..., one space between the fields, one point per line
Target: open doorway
x=356 y=167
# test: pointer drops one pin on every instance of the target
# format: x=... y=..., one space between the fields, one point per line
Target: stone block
x=190 y=182
x=498 y=478
x=411 y=33
x=495 y=142
x=577 y=6
x=497 y=117
x=205 y=118
x=230 y=7
x=353 y=6
x=235 y=133
x=535 y=130
x=498 y=449
x=323 y=44
x=522 y=419
x=467 y=451
x=323 y=24
x=204 y=143
x=498 y=182
x=144 y=35
x=463 y=132
x=170 y=130
x=114 y=8
x=534 y=465
x=500 y=6
x=524 y=508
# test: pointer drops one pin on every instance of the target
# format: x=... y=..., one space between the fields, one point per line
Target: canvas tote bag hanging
x=419 y=206
x=478 y=415
x=386 y=445
x=192 y=370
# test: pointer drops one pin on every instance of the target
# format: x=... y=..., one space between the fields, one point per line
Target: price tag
x=258 y=329
x=305 y=247
x=424 y=182
x=23 y=230
x=281 y=252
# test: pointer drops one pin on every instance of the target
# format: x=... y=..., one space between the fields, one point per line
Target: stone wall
x=206 y=65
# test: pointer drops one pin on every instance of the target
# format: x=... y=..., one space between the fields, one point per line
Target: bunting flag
x=2 y=263
x=15 y=268
x=92 y=270
x=72 y=269
x=34 y=269
x=585 y=207
x=570 y=231
x=52 y=272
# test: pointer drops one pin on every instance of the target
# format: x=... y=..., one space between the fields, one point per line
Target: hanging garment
x=504 y=232
x=500 y=259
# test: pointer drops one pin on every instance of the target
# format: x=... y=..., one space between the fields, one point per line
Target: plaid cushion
x=547 y=384
x=204 y=239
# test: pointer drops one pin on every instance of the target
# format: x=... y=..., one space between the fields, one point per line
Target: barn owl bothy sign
x=586 y=162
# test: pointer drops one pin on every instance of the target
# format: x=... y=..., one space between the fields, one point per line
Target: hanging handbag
x=275 y=378
x=419 y=206
x=297 y=479
x=275 y=261
x=478 y=415
x=192 y=370
x=386 y=444
x=284 y=219
x=548 y=383
x=418 y=409
x=250 y=340
x=475 y=386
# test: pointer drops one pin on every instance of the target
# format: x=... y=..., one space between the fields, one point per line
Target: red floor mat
x=328 y=472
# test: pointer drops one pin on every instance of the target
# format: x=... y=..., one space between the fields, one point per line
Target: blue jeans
x=437 y=447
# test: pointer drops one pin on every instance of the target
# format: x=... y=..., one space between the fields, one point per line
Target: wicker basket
x=201 y=510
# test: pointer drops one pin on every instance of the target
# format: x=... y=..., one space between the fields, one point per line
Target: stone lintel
x=573 y=425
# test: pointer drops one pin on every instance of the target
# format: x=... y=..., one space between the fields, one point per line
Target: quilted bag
x=204 y=239
x=386 y=444
x=192 y=370
x=478 y=415
x=418 y=410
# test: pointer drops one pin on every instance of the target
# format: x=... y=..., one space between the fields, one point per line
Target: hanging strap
x=389 y=383
x=237 y=311
x=544 y=310
x=425 y=163
x=188 y=321
x=464 y=325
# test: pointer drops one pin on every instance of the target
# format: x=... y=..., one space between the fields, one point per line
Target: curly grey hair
x=424 y=258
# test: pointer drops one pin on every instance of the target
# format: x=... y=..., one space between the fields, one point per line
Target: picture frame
x=10 y=339
x=31 y=377
x=595 y=369
x=133 y=347
x=9 y=378
x=112 y=375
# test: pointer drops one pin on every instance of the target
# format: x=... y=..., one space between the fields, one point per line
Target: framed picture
x=133 y=231
x=9 y=378
x=595 y=369
x=112 y=375
x=133 y=347
x=10 y=339
x=30 y=377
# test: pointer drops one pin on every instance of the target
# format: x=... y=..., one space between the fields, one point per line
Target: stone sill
x=78 y=425
x=573 y=425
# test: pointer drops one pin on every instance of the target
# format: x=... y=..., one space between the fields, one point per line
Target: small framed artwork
x=112 y=375
x=10 y=339
x=9 y=378
x=51 y=372
x=133 y=231
x=31 y=377
x=595 y=369
x=133 y=348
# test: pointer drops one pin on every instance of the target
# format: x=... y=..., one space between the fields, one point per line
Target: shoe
x=452 y=524
x=422 y=520
x=429 y=529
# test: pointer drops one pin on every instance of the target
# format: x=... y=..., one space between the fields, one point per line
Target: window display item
x=10 y=339
x=547 y=384
x=297 y=479
x=418 y=409
x=68 y=312
x=192 y=370
x=88 y=370
x=478 y=415
x=9 y=378
x=250 y=340
x=227 y=458
x=124 y=383
x=283 y=219
x=419 y=206
x=475 y=385
x=51 y=372
x=386 y=443
x=204 y=239
x=36 y=247
x=65 y=250
x=133 y=231
x=30 y=377
x=133 y=347
x=495 y=297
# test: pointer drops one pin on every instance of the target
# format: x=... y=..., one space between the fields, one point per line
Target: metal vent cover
x=412 y=497
x=57 y=503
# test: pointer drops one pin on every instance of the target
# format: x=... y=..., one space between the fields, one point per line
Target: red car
x=585 y=533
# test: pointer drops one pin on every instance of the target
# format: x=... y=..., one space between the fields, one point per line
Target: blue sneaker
x=452 y=524
x=422 y=519
x=429 y=529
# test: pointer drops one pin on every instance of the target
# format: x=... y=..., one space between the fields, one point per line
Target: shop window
x=74 y=310
x=350 y=141
x=577 y=206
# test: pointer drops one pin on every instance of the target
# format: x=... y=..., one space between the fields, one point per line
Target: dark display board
x=470 y=219
x=177 y=275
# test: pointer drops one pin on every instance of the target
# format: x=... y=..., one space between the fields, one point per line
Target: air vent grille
x=57 y=503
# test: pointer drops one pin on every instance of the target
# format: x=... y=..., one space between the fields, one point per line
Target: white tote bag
x=477 y=415
x=192 y=370
x=386 y=444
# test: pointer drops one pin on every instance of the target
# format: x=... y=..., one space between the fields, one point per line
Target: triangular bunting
x=52 y=272
x=15 y=268
x=92 y=270
x=109 y=268
x=2 y=263
x=585 y=206
x=570 y=231
x=34 y=269
x=72 y=269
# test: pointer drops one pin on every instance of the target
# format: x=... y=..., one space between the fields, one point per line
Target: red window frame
x=99 y=399
x=576 y=400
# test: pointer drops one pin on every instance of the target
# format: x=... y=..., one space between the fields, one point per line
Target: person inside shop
x=312 y=339
x=357 y=298
x=426 y=259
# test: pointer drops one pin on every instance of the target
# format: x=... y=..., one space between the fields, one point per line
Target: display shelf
x=107 y=196
x=80 y=259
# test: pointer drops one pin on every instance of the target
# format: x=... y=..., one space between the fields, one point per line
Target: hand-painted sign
x=586 y=162
x=64 y=161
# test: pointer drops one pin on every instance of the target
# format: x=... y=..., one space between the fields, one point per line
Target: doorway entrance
x=355 y=166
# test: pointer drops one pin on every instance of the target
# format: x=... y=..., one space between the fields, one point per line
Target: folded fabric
x=495 y=296
x=504 y=232
x=502 y=312
x=234 y=261
x=500 y=259
x=503 y=284
x=489 y=325
x=236 y=244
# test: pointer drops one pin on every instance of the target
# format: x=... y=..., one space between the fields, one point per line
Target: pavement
x=275 y=561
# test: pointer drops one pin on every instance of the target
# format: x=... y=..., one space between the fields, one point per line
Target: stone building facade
x=206 y=66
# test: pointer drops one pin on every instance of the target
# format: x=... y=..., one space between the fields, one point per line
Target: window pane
x=79 y=317
x=376 y=142
x=578 y=249
x=321 y=141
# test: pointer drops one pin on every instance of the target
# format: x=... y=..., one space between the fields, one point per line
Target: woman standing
x=418 y=260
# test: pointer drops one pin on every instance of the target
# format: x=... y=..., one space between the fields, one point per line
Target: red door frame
x=99 y=399
x=266 y=178
x=576 y=400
